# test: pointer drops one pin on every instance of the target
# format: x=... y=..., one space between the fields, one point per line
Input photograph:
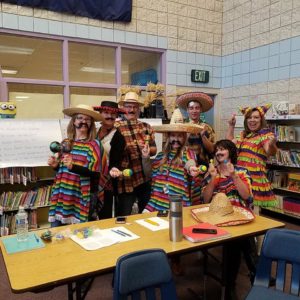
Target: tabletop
x=65 y=261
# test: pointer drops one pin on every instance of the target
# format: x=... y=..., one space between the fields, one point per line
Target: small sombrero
x=205 y=101
x=221 y=212
x=83 y=109
x=178 y=127
x=110 y=106
x=261 y=109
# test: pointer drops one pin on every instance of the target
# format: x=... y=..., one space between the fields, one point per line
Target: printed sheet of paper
x=154 y=223
x=105 y=237
x=25 y=143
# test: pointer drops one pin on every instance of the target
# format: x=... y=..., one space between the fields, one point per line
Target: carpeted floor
x=190 y=286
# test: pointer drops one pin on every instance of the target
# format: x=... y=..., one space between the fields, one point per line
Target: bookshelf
x=29 y=187
x=284 y=168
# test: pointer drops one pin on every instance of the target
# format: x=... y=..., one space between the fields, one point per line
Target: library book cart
x=284 y=168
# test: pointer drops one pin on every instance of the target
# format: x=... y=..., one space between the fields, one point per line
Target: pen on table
x=120 y=231
x=151 y=222
x=36 y=238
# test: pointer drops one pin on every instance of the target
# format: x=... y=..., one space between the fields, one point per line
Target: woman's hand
x=53 y=162
x=232 y=121
x=67 y=161
x=212 y=171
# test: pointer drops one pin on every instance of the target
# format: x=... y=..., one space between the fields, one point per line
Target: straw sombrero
x=83 y=109
x=178 y=127
x=204 y=100
x=221 y=212
x=131 y=97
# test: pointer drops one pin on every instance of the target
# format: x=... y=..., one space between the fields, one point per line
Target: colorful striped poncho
x=226 y=185
x=252 y=156
x=71 y=192
x=168 y=179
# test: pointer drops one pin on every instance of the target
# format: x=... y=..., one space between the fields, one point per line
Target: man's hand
x=115 y=172
x=67 y=161
x=194 y=171
x=212 y=171
x=146 y=151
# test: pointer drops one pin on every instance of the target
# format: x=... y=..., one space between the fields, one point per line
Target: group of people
x=93 y=171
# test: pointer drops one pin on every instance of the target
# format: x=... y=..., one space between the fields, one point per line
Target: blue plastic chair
x=144 y=273
x=281 y=246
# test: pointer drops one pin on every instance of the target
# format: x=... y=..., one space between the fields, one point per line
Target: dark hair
x=263 y=123
x=230 y=146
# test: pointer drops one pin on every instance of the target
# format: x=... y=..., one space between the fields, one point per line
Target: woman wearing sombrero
x=202 y=143
x=77 y=176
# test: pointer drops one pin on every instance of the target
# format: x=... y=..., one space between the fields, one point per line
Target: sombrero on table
x=221 y=212
x=178 y=127
x=83 y=109
x=205 y=101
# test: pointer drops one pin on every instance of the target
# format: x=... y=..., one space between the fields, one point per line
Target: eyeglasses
x=87 y=120
x=133 y=107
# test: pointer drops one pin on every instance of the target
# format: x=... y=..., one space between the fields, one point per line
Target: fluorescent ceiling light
x=16 y=50
x=99 y=70
x=8 y=71
x=22 y=97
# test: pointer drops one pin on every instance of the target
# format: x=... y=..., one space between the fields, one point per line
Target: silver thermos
x=175 y=220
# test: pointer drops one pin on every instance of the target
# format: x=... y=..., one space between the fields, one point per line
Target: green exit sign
x=200 y=76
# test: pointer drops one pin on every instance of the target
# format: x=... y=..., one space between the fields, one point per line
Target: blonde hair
x=71 y=131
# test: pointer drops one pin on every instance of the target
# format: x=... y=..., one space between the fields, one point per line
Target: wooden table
x=66 y=262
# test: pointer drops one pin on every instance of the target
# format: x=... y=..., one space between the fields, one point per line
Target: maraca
x=202 y=169
x=64 y=147
x=127 y=172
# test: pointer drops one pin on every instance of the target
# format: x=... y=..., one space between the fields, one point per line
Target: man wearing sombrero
x=77 y=176
x=126 y=153
x=109 y=112
x=202 y=143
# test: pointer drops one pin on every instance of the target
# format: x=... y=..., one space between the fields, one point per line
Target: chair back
x=281 y=246
x=144 y=274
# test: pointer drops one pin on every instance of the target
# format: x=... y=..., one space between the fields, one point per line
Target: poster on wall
x=25 y=143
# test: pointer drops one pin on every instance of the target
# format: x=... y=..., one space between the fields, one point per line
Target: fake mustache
x=176 y=142
x=80 y=125
x=109 y=119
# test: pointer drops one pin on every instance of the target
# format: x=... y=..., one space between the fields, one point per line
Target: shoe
x=177 y=268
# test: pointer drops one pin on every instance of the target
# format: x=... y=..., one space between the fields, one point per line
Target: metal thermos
x=175 y=220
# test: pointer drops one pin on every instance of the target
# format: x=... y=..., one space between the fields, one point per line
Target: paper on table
x=129 y=235
x=160 y=223
x=103 y=238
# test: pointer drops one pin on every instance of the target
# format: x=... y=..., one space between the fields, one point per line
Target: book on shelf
x=202 y=237
x=294 y=182
x=291 y=205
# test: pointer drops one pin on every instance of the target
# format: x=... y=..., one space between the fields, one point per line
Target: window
x=91 y=63
x=37 y=101
x=140 y=67
x=26 y=57
x=91 y=96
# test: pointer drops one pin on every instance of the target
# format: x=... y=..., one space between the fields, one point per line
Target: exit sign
x=200 y=76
